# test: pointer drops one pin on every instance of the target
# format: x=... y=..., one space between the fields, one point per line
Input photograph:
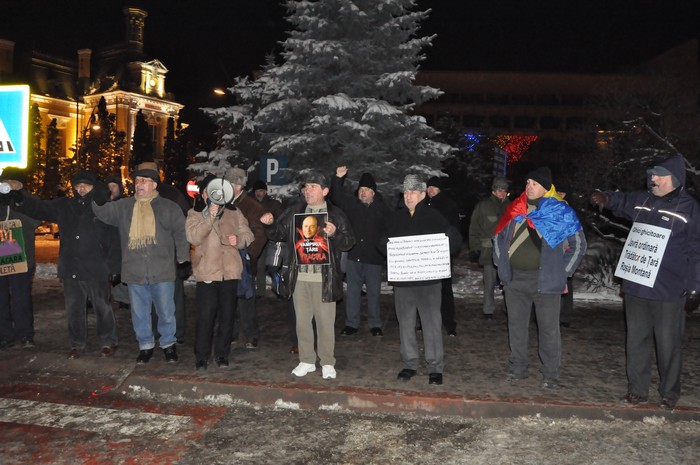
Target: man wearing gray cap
x=654 y=309
x=481 y=227
x=413 y=219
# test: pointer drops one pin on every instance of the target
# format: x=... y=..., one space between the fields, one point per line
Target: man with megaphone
x=217 y=233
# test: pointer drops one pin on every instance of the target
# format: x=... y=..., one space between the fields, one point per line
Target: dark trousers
x=247 y=319
x=521 y=293
x=649 y=321
x=447 y=307
x=16 y=312
x=76 y=295
x=216 y=303
x=567 y=303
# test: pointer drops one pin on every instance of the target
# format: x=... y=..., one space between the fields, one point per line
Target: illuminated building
x=68 y=89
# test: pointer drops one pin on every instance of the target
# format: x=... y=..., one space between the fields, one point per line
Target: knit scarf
x=553 y=218
x=142 y=232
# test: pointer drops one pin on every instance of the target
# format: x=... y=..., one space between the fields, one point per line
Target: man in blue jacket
x=539 y=244
x=655 y=311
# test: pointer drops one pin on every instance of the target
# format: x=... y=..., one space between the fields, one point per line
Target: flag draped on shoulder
x=553 y=218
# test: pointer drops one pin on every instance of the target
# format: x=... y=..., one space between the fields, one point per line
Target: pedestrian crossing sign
x=14 y=125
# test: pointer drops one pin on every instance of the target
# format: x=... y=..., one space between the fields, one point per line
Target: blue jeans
x=161 y=295
x=371 y=276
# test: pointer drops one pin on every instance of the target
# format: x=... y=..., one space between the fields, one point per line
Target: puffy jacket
x=556 y=264
x=212 y=258
x=679 y=270
x=282 y=230
x=368 y=223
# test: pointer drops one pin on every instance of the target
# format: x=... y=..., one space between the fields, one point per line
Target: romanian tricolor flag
x=553 y=218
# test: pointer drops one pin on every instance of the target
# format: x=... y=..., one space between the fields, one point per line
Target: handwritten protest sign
x=642 y=254
x=13 y=259
x=418 y=258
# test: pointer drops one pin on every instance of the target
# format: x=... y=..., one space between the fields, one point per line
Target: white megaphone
x=219 y=191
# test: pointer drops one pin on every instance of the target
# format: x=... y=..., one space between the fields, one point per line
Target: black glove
x=692 y=301
x=599 y=199
x=474 y=255
x=115 y=279
x=199 y=203
x=184 y=270
x=16 y=196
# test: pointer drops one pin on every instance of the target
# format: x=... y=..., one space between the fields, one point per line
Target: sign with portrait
x=642 y=254
x=311 y=243
x=418 y=258
x=13 y=258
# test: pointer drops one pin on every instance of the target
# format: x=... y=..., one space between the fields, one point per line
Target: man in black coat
x=83 y=259
x=450 y=211
x=367 y=213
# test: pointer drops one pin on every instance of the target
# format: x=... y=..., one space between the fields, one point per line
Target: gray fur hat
x=236 y=176
x=413 y=183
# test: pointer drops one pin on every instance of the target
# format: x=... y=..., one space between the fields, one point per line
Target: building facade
x=68 y=90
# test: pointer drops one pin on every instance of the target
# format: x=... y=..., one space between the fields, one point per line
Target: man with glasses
x=152 y=235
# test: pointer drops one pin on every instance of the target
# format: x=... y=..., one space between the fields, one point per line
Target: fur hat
x=236 y=176
x=313 y=177
x=83 y=176
x=436 y=181
x=259 y=184
x=541 y=175
x=500 y=183
x=413 y=183
x=367 y=180
x=147 y=169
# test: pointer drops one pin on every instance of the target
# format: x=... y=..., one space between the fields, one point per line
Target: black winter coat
x=282 y=230
x=85 y=250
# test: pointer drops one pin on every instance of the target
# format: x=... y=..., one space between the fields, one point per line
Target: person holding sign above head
x=660 y=268
x=418 y=285
x=315 y=287
x=539 y=243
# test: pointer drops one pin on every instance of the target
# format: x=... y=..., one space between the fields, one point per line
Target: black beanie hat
x=84 y=176
x=542 y=175
x=435 y=182
x=367 y=180
x=259 y=184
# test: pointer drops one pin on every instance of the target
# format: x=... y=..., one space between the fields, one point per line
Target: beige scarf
x=143 y=223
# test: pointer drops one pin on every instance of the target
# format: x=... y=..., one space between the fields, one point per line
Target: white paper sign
x=642 y=254
x=418 y=258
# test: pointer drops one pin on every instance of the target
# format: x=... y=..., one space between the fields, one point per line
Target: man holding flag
x=539 y=243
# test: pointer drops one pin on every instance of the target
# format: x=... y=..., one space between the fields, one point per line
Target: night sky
x=207 y=43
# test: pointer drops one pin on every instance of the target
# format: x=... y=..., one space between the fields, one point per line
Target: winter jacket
x=425 y=220
x=252 y=210
x=368 y=223
x=213 y=259
x=482 y=227
x=85 y=250
x=678 y=211
x=283 y=230
x=556 y=263
x=154 y=263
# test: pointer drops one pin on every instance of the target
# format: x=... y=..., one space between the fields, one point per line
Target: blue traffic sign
x=14 y=125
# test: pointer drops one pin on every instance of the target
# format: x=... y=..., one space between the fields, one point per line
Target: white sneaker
x=328 y=372
x=303 y=369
